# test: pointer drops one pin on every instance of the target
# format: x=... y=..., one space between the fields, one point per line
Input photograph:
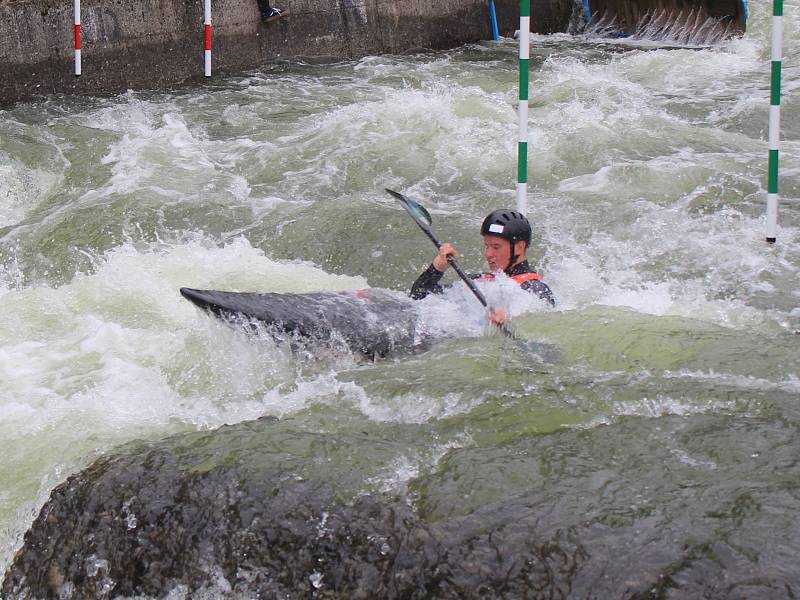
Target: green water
x=654 y=413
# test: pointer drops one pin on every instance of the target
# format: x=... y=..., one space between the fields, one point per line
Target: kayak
x=371 y=322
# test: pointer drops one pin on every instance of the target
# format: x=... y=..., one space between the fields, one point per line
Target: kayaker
x=506 y=237
x=268 y=13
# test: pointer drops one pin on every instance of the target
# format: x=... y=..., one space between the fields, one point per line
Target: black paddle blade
x=419 y=213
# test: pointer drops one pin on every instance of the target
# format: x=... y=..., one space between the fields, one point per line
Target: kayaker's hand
x=498 y=316
x=440 y=263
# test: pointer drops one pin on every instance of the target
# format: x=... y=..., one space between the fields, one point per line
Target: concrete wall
x=137 y=44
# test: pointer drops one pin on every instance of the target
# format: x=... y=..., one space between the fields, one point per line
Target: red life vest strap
x=523 y=277
x=520 y=279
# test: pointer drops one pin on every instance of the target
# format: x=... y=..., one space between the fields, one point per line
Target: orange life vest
x=523 y=277
x=520 y=279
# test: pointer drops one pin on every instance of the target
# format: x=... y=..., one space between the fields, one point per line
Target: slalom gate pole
x=76 y=9
x=774 y=121
x=522 y=148
x=493 y=17
x=207 y=32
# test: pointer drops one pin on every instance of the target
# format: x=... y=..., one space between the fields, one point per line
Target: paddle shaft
x=454 y=263
x=470 y=284
x=423 y=219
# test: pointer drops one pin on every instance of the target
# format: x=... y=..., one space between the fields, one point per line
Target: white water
x=648 y=170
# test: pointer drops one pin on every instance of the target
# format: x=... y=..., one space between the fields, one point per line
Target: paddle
x=423 y=218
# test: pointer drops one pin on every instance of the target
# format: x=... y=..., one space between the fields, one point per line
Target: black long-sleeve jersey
x=428 y=282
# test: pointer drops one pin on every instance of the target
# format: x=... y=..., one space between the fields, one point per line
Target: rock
x=259 y=510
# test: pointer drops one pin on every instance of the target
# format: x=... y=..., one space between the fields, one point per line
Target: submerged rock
x=298 y=508
x=257 y=510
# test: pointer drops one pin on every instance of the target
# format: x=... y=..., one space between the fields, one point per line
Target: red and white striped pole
x=207 y=22
x=77 y=11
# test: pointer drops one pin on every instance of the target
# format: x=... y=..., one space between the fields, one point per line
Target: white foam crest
x=379 y=65
x=118 y=354
x=459 y=135
x=642 y=95
x=400 y=111
x=22 y=188
x=694 y=73
x=320 y=389
x=507 y=294
x=683 y=172
x=405 y=468
x=160 y=152
x=32 y=166
x=759 y=28
x=598 y=104
x=414 y=407
x=402 y=470
x=605 y=84
x=458 y=313
x=590 y=182
x=789 y=385
x=665 y=405
x=662 y=405
x=123 y=114
x=137 y=157
x=124 y=332
x=11 y=274
x=700 y=266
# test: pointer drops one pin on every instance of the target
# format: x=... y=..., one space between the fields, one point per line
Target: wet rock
x=233 y=514
x=291 y=509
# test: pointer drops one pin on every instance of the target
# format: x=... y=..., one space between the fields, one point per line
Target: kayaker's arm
x=428 y=282
x=440 y=261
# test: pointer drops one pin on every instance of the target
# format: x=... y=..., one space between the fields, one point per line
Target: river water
x=662 y=416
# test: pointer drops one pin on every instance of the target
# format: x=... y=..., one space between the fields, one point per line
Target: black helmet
x=507 y=224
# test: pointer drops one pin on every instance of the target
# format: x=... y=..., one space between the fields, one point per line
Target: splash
x=692 y=28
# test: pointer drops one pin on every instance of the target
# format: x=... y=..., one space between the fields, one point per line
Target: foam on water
x=18 y=182
x=31 y=169
x=118 y=354
x=683 y=224
x=160 y=152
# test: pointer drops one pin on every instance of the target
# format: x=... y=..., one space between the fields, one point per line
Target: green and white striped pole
x=774 y=121
x=522 y=148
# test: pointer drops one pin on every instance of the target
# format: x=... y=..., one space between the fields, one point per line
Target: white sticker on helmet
x=495 y=228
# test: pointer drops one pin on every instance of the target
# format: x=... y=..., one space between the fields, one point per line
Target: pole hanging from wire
x=522 y=146
x=774 y=121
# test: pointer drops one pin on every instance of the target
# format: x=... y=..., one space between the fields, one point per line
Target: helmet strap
x=513 y=258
